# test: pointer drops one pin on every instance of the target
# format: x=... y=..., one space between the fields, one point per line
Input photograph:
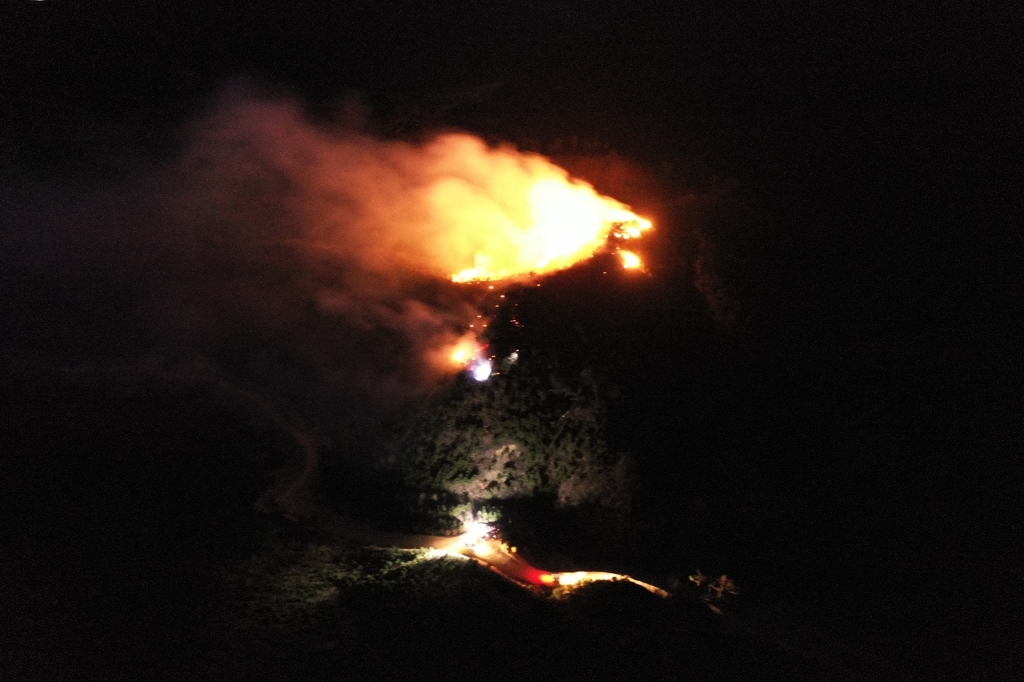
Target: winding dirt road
x=291 y=497
x=290 y=493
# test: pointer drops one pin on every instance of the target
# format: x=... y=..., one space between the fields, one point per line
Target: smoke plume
x=307 y=260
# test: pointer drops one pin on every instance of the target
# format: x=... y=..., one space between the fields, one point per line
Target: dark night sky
x=872 y=152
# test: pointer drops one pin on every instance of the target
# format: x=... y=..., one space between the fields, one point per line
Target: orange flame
x=505 y=213
x=630 y=261
x=631 y=228
x=459 y=354
x=568 y=222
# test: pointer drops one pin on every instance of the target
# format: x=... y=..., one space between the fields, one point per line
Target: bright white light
x=480 y=369
x=475 y=530
x=580 y=577
x=475 y=538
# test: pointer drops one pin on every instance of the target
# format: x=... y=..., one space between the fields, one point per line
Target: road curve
x=290 y=495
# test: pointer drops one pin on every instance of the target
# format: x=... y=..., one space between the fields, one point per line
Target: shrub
x=524 y=432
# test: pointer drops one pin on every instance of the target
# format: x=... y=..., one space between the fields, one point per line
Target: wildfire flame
x=452 y=207
x=630 y=260
x=465 y=351
x=513 y=214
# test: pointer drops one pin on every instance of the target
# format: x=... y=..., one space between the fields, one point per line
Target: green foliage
x=524 y=432
x=285 y=588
